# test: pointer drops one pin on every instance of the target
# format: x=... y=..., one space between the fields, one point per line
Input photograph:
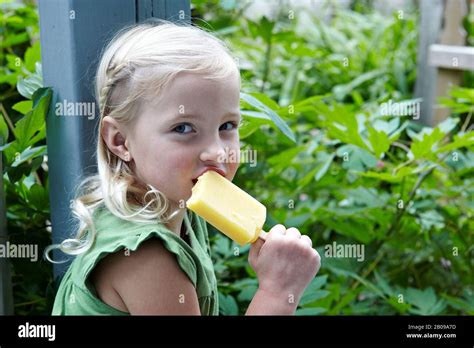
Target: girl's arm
x=148 y=281
x=270 y=303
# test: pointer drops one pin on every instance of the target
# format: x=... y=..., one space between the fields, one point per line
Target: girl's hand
x=285 y=263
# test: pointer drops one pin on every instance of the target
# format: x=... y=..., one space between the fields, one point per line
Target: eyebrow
x=194 y=116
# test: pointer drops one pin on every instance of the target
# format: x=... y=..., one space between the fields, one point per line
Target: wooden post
x=453 y=34
x=430 y=25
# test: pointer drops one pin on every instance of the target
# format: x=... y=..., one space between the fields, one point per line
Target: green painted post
x=73 y=33
x=6 y=296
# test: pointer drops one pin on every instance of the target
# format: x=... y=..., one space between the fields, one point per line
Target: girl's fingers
x=307 y=240
x=255 y=250
x=293 y=232
x=277 y=229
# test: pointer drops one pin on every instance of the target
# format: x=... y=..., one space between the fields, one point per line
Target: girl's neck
x=177 y=223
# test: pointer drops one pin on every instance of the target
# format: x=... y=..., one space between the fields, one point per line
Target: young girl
x=169 y=103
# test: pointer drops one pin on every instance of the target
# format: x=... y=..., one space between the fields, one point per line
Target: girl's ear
x=115 y=138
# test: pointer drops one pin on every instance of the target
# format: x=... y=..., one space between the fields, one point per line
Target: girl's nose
x=215 y=153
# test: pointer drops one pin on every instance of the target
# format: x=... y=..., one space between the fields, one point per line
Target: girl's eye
x=232 y=126
x=182 y=128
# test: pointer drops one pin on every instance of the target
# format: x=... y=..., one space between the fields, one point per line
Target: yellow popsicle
x=228 y=208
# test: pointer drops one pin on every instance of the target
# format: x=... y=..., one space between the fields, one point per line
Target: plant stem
x=7 y=119
x=466 y=122
x=401 y=146
x=266 y=69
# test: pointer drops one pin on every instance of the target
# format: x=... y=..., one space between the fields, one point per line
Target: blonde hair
x=135 y=66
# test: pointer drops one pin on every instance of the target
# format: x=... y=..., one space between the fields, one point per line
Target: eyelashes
x=187 y=128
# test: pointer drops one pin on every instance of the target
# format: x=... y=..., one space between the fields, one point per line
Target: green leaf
x=34 y=121
x=3 y=130
x=389 y=177
x=355 y=227
x=461 y=140
x=248 y=293
x=312 y=292
x=23 y=107
x=341 y=124
x=12 y=40
x=281 y=161
x=448 y=125
x=282 y=126
x=341 y=91
x=424 y=148
x=431 y=219
x=355 y=158
x=379 y=141
x=323 y=162
x=324 y=167
x=222 y=246
x=357 y=277
x=310 y=311
x=227 y=305
x=313 y=296
x=38 y=197
x=251 y=122
x=461 y=100
x=27 y=86
x=29 y=153
x=425 y=301
x=32 y=56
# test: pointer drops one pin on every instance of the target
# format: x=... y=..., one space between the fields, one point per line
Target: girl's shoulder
x=116 y=235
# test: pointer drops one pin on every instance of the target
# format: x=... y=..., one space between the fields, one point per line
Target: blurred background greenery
x=328 y=161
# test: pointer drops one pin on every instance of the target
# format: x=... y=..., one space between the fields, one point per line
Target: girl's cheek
x=234 y=160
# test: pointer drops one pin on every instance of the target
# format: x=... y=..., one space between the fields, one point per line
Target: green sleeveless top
x=77 y=296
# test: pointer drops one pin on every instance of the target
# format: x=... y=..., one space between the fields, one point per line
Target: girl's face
x=193 y=127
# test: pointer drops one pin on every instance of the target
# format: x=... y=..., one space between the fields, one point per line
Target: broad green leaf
x=38 y=197
x=341 y=123
x=3 y=131
x=424 y=148
x=310 y=311
x=32 y=56
x=29 y=153
x=431 y=219
x=448 y=125
x=379 y=141
x=324 y=167
x=389 y=177
x=284 y=158
x=27 y=86
x=23 y=107
x=357 y=228
x=282 y=126
x=34 y=121
x=425 y=301
x=357 y=277
x=12 y=40
x=462 y=140
x=227 y=305
x=355 y=158
x=312 y=296
x=341 y=91
x=248 y=293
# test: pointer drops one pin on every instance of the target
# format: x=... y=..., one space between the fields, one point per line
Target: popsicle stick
x=263 y=235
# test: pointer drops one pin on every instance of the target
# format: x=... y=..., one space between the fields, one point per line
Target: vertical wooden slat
x=452 y=34
x=430 y=25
